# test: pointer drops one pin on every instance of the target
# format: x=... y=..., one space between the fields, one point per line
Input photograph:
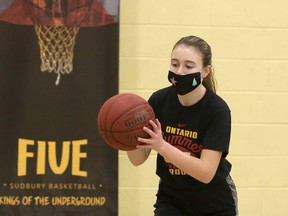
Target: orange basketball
x=121 y=119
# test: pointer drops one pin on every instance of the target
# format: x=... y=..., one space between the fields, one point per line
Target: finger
x=158 y=123
x=149 y=131
x=153 y=124
x=142 y=140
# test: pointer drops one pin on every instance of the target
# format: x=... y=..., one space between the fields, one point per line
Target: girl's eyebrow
x=186 y=61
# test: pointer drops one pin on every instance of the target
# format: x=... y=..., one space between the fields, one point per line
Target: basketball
x=121 y=119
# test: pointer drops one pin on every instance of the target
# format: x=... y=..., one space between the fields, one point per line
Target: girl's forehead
x=186 y=53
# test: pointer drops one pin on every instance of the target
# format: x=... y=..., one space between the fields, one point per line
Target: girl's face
x=185 y=60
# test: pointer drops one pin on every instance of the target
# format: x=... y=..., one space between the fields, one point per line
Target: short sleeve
x=217 y=135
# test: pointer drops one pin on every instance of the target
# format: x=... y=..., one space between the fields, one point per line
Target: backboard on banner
x=52 y=158
x=57 y=23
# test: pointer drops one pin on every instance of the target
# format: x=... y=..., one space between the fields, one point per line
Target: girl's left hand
x=156 y=141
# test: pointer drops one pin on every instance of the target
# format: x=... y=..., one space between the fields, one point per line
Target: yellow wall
x=249 y=40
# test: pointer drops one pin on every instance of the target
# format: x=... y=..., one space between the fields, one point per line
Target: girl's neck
x=193 y=97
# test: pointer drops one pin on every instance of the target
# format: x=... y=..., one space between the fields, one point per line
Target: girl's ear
x=206 y=71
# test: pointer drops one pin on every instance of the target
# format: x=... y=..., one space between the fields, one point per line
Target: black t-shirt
x=204 y=125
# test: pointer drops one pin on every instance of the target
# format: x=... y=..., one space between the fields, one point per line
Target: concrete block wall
x=249 y=41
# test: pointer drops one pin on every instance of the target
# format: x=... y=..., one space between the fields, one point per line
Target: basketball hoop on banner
x=56 y=48
x=56 y=38
x=57 y=23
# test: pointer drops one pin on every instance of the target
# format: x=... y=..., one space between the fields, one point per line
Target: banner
x=58 y=65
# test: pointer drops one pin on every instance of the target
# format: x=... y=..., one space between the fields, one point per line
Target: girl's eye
x=174 y=64
x=189 y=67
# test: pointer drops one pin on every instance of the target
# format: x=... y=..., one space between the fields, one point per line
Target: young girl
x=191 y=136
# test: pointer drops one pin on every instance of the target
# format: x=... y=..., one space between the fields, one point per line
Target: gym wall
x=248 y=40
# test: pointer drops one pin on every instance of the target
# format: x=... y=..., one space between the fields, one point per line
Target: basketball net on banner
x=56 y=38
x=56 y=48
x=57 y=23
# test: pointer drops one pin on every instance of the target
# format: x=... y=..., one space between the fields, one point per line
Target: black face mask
x=184 y=83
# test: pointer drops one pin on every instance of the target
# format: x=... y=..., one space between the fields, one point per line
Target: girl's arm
x=138 y=156
x=202 y=169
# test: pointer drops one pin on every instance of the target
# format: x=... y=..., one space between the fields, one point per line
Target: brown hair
x=205 y=50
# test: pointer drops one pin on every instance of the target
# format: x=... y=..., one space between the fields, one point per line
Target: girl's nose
x=180 y=70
